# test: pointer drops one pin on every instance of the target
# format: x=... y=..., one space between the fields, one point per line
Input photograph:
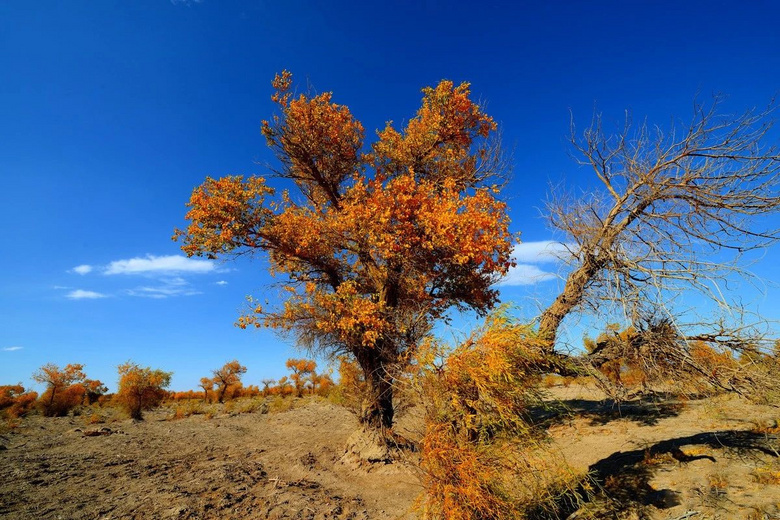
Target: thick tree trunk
x=377 y=412
x=571 y=296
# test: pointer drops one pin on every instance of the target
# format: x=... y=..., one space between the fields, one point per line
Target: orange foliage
x=228 y=380
x=380 y=244
x=352 y=385
x=480 y=456
x=15 y=402
x=283 y=387
x=186 y=396
x=302 y=372
x=711 y=360
x=207 y=384
x=93 y=389
x=141 y=388
x=64 y=389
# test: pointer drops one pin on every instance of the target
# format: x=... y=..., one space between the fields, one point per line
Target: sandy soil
x=715 y=458
x=712 y=458
x=284 y=465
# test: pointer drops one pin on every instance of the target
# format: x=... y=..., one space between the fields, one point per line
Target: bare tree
x=676 y=212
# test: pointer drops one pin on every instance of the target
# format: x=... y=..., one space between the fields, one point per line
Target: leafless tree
x=675 y=212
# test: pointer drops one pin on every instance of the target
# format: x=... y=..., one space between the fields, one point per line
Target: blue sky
x=113 y=111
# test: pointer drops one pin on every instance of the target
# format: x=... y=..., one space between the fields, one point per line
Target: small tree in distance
x=60 y=397
x=267 y=384
x=228 y=376
x=93 y=389
x=141 y=388
x=302 y=371
x=207 y=384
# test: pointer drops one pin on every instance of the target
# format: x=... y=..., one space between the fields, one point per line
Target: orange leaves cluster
x=64 y=389
x=318 y=142
x=226 y=214
x=15 y=402
x=480 y=457
x=227 y=380
x=302 y=372
x=141 y=388
x=437 y=143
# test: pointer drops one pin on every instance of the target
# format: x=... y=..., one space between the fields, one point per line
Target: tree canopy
x=375 y=244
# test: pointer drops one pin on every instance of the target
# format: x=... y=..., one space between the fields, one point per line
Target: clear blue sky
x=112 y=111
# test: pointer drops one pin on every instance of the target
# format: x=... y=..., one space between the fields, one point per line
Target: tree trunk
x=377 y=413
x=570 y=297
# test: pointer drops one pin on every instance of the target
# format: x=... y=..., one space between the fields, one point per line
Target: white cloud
x=80 y=294
x=543 y=251
x=528 y=255
x=222 y=282
x=82 y=269
x=160 y=265
x=12 y=349
x=526 y=274
x=168 y=288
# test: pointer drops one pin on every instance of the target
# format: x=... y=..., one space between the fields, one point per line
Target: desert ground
x=654 y=458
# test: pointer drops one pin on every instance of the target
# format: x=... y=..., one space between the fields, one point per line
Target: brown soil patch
x=283 y=465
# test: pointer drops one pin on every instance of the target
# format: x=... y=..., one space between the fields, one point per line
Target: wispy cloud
x=528 y=255
x=12 y=349
x=80 y=294
x=542 y=251
x=160 y=265
x=82 y=269
x=186 y=2
x=222 y=282
x=166 y=289
x=526 y=274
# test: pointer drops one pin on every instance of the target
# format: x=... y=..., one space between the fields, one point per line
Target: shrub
x=480 y=456
x=64 y=388
x=15 y=402
x=141 y=388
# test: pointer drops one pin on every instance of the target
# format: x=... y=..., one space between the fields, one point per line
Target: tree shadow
x=646 y=412
x=623 y=479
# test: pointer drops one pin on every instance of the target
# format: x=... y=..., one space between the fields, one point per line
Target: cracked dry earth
x=278 y=466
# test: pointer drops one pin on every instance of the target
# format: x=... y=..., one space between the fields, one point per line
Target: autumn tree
x=267 y=384
x=229 y=376
x=676 y=212
x=376 y=244
x=93 y=389
x=15 y=401
x=283 y=386
x=207 y=384
x=321 y=384
x=302 y=371
x=141 y=388
x=60 y=395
